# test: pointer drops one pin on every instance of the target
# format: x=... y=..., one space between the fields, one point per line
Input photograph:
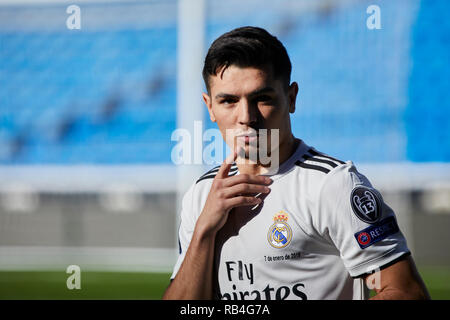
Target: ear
x=292 y=95
x=208 y=102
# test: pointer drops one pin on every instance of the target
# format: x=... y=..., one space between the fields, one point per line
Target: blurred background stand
x=87 y=116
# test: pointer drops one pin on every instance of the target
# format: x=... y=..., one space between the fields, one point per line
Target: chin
x=253 y=153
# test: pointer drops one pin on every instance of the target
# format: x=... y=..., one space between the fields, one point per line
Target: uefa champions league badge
x=280 y=233
x=365 y=204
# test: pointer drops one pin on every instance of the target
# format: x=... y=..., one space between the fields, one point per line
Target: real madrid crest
x=280 y=233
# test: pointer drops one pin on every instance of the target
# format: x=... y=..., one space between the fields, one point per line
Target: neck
x=285 y=150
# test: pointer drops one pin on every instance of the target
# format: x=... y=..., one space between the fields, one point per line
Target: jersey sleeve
x=353 y=215
x=186 y=228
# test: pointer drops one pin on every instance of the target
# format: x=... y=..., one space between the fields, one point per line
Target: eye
x=227 y=101
x=264 y=99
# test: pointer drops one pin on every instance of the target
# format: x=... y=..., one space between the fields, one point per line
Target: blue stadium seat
x=109 y=96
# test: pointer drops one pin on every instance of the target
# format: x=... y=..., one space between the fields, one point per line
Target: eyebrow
x=225 y=95
x=252 y=94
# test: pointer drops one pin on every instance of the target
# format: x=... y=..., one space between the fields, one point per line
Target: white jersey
x=320 y=228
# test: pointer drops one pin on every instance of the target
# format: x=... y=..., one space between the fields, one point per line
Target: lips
x=248 y=138
x=248 y=134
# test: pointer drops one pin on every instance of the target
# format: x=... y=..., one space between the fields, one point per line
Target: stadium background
x=86 y=119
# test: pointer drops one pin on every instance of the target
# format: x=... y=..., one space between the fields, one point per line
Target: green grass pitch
x=94 y=285
x=123 y=285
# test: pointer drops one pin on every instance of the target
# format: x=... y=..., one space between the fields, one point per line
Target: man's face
x=244 y=100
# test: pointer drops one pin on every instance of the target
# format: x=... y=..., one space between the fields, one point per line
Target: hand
x=230 y=192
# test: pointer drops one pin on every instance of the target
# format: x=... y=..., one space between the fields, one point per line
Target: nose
x=247 y=113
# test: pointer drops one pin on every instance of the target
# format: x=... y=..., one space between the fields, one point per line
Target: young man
x=313 y=228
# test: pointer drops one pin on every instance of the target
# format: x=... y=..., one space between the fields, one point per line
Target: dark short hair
x=247 y=47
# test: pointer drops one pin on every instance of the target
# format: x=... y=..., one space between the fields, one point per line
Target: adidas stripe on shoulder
x=318 y=161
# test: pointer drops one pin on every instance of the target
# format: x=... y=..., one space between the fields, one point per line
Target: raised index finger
x=226 y=165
